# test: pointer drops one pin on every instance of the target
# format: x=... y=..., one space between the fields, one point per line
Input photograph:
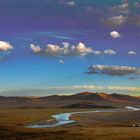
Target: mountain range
x=79 y=100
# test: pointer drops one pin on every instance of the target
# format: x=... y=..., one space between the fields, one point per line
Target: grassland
x=108 y=119
x=22 y=117
x=88 y=127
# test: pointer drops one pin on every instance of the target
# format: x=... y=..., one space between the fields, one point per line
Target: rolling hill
x=85 y=99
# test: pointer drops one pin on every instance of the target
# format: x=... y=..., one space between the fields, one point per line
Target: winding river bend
x=64 y=118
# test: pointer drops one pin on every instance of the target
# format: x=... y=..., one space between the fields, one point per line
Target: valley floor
x=99 y=126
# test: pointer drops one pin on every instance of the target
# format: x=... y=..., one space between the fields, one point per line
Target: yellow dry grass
x=11 y=121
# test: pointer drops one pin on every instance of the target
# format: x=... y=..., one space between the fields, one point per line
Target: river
x=64 y=118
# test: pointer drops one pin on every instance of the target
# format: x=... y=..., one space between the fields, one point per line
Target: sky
x=69 y=46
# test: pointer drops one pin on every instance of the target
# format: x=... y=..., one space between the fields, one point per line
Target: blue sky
x=101 y=52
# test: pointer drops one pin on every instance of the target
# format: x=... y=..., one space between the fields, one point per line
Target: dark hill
x=85 y=105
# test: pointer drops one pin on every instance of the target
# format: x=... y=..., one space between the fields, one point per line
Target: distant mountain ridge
x=97 y=97
x=67 y=100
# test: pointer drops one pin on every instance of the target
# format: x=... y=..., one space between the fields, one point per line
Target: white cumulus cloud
x=132 y=53
x=109 y=52
x=114 y=34
x=52 y=49
x=105 y=52
x=80 y=49
x=5 y=46
x=66 y=50
x=34 y=48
